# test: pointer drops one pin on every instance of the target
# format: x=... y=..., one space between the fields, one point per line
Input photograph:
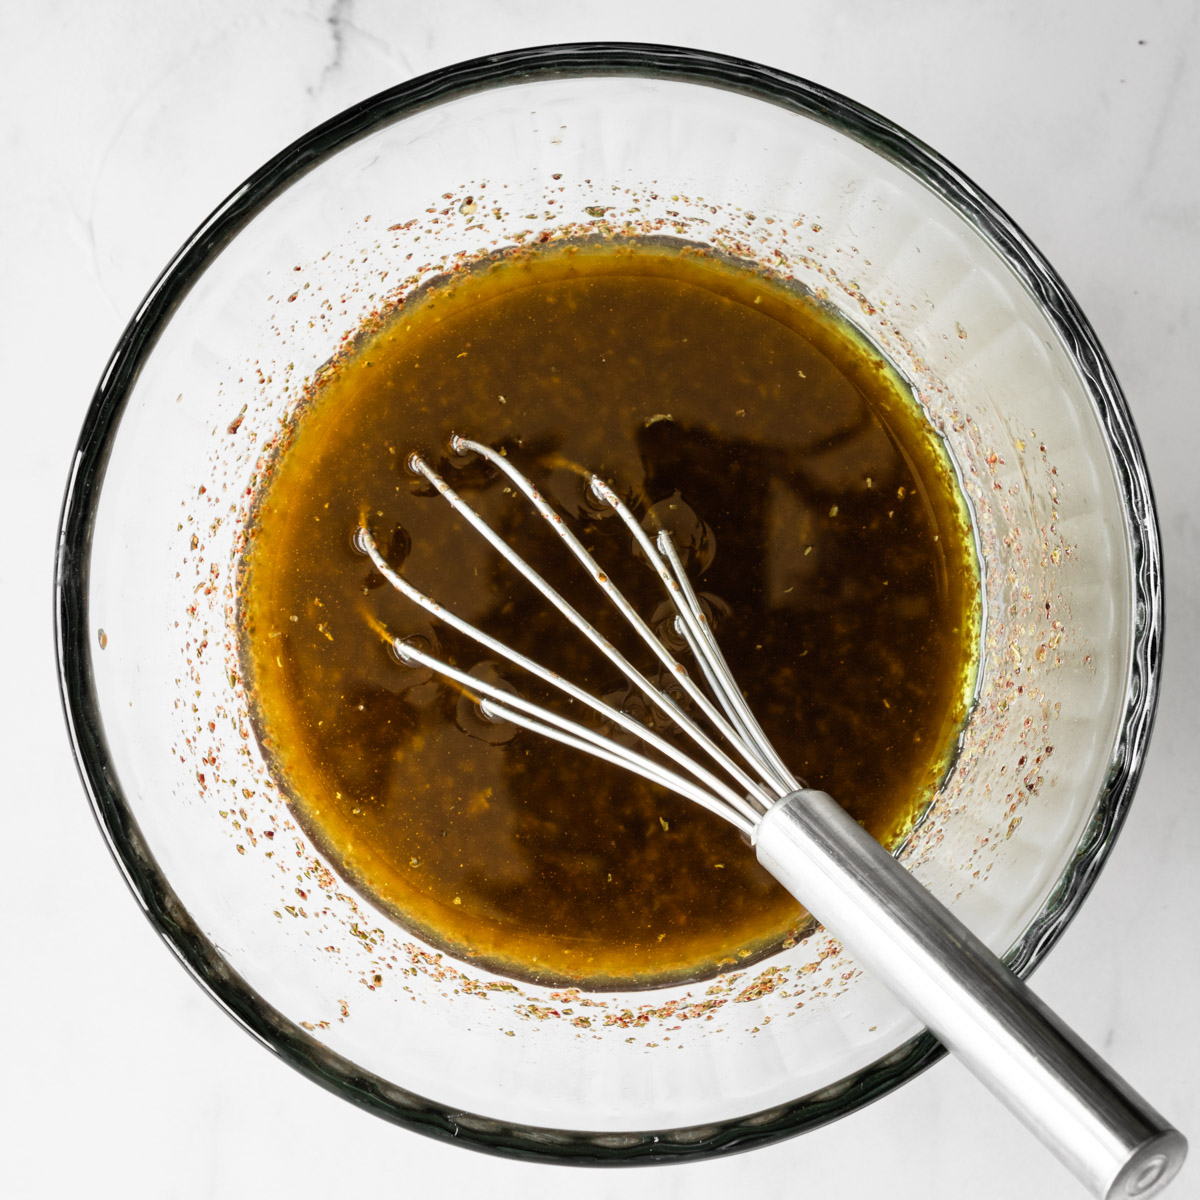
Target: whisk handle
x=1100 y=1128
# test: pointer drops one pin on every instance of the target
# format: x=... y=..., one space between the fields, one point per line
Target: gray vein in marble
x=88 y=220
x=1167 y=108
x=1163 y=119
x=343 y=30
x=338 y=20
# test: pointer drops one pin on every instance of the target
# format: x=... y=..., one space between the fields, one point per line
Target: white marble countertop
x=123 y=124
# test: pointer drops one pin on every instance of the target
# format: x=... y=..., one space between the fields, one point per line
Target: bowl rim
x=74 y=650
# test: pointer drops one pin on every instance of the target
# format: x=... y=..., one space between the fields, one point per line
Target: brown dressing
x=821 y=523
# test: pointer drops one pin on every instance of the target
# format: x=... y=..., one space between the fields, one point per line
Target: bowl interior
x=349 y=221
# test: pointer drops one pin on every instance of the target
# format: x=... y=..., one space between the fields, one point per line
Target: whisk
x=1113 y=1141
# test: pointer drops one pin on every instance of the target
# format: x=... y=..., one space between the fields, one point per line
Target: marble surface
x=122 y=125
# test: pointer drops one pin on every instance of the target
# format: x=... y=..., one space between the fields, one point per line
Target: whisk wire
x=691 y=620
x=570 y=733
x=720 y=678
x=503 y=705
x=760 y=799
x=715 y=794
x=719 y=715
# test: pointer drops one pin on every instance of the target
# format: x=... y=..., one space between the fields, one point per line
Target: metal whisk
x=1114 y=1142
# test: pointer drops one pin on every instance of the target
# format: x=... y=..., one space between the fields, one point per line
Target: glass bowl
x=517 y=149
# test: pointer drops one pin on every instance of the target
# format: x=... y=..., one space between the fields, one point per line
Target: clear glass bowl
x=514 y=149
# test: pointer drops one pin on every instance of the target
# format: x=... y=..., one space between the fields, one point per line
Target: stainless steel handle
x=1100 y=1128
